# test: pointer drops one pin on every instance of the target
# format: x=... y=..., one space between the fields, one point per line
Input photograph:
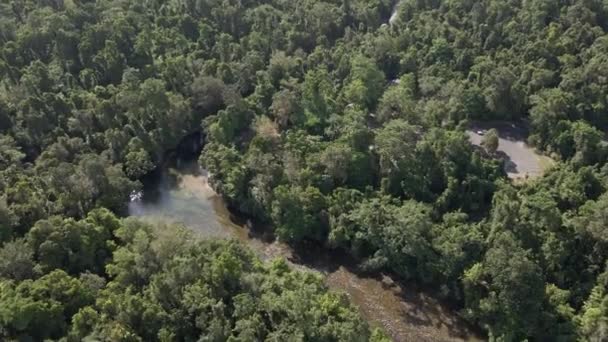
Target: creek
x=182 y=194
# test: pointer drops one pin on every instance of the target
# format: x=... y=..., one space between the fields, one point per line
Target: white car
x=481 y=132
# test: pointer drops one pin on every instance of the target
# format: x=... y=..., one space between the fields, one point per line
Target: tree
x=10 y=153
x=398 y=101
x=367 y=82
x=459 y=245
x=8 y=220
x=593 y=318
x=386 y=235
x=317 y=98
x=506 y=290
x=137 y=159
x=211 y=288
x=39 y=309
x=286 y=109
x=208 y=94
x=490 y=141
x=299 y=213
x=76 y=246
x=396 y=146
x=405 y=241
x=548 y=108
x=16 y=261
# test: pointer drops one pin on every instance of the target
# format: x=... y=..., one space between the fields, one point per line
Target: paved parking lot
x=521 y=160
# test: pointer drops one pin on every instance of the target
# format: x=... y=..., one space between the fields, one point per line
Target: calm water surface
x=405 y=314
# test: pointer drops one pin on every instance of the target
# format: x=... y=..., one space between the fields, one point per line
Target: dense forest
x=323 y=121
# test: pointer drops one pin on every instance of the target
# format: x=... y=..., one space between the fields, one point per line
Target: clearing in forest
x=521 y=160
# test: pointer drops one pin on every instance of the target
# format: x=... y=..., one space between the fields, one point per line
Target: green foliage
x=165 y=284
x=490 y=141
x=506 y=286
x=298 y=213
x=398 y=101
x=593 y=317
x=41 y=308
x=366 y=84
x=17 y=260
x=317 y=99
x=322 y=122
x=76 y=246
x=459 y=244
x=137 y=160
x=387 y=235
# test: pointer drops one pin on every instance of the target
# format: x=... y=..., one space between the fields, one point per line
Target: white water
x=395 y=13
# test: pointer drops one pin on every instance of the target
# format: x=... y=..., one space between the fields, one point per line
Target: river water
x=395 y=13
x=406 y=314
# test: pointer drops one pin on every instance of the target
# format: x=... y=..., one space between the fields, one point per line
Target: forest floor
x=521 y=160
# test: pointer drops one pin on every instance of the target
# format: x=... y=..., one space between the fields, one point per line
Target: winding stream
x=405 y=314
